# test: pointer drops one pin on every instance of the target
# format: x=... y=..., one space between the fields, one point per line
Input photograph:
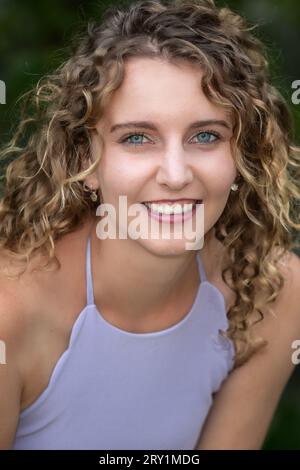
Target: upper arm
x=11 y=326
x=244 y=406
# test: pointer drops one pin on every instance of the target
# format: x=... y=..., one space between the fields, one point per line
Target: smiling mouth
x=175 y=209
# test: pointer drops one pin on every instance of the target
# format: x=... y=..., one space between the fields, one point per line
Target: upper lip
x=172 y=201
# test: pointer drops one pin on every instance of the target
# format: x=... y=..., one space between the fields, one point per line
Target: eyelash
x=214 y=133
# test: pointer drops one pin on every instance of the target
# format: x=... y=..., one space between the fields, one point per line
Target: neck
x=140 y=289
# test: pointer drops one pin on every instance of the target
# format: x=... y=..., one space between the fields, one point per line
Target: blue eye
x=207 y=137
x=135 y=140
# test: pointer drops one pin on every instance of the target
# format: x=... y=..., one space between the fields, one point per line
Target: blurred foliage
x=34 y=37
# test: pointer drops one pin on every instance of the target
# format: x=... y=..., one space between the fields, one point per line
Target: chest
x=61 y=298
x=111 y=390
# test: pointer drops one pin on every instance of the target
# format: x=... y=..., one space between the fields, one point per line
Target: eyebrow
x=151 y=126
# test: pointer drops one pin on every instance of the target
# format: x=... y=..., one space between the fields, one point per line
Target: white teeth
x=170 y=209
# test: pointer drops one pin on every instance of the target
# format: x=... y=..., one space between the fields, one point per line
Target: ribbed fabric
x=113 y=389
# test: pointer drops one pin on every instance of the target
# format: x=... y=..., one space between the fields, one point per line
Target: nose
x=174 y=170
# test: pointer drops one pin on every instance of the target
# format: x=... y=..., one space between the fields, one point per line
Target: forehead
x=156 y=89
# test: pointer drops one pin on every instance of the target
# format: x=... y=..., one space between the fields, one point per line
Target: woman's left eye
x=207 y=137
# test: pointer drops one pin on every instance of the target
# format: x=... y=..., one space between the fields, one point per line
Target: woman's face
x=167 y=156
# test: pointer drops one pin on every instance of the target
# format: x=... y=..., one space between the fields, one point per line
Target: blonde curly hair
x=43 y=195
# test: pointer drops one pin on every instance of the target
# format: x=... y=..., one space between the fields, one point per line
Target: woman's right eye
x=135 y=140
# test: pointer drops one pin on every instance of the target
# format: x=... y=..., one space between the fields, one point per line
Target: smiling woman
x=169 y=164
x=137 y=342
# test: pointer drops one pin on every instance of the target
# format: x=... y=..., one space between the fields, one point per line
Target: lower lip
x=173 y=218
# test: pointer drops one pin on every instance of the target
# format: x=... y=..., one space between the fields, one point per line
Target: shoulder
x=17 y=317
x=22 y=314
x=15 y=327
x=13 y=301
x=28 y=301
x=280 y=325
x=285 y=311
x=26 y=324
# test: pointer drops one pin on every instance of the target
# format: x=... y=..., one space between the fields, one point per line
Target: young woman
x=137 y=342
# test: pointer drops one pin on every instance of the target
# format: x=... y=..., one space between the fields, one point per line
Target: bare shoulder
x=18 y=300
x=33 y=333
x=15 y=325
x=244 y=406
x=285 y=312
x=15 y=316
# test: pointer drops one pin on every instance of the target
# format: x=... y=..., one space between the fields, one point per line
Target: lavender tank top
x=113 y=389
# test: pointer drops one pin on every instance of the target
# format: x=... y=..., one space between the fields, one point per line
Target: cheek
x=119 y=175
x=218 y=172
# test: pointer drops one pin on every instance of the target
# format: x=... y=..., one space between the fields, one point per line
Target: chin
x=166 y=247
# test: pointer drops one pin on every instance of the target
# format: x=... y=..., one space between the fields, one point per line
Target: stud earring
x=234 y=187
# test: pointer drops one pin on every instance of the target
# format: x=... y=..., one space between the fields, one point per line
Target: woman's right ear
x=96 y=148
x=85 y=164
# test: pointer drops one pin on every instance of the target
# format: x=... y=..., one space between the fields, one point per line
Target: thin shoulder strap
x=201 y=268
x=89 y=277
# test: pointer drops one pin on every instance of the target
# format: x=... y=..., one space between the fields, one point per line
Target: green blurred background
x=34 y=37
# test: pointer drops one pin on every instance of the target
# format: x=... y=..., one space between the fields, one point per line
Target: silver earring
x=234 y=187
x=94 y=195
x=93 y=192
